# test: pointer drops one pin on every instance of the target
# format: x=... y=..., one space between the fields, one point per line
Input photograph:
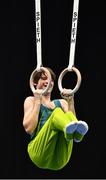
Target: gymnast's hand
x=38 y=93
x=66 y=93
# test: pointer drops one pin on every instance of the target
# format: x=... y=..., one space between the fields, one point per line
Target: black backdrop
x=18 y=60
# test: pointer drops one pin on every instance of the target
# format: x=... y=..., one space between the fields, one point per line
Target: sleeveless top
x=44 y=114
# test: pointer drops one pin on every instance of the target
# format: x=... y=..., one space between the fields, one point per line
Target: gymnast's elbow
x=29 y=128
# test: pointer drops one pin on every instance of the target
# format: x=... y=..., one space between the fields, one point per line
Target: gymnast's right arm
x=31 y=113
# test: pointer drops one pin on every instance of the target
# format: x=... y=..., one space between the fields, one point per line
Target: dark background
x=18 y=60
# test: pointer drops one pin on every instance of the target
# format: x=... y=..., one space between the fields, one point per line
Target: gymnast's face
x=43 y=82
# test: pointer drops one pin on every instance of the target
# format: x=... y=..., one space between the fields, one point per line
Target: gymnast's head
x=40 y=79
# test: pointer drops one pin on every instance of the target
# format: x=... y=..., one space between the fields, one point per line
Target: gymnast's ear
x=35 y=84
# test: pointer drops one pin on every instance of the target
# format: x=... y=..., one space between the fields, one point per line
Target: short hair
x=39 y=74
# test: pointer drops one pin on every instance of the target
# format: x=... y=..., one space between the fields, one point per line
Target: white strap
x=71 y=67
x=73 y=33
x=38 y=33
